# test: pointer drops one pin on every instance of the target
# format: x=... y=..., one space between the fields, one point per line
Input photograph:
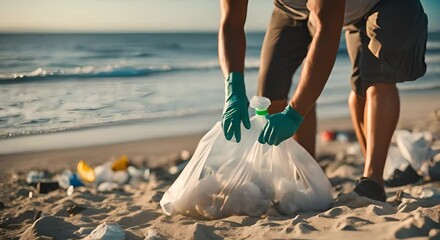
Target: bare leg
x=306 y=134
x=357 y=108
x=382 y=110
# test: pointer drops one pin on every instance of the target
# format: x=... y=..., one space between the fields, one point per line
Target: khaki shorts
x=387 y=46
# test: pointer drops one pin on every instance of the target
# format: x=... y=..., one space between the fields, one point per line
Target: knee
x=354 y=99
x=380 y=89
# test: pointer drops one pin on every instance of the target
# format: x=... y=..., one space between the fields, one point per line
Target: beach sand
x=136 y=207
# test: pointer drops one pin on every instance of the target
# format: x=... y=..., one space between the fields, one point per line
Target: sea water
x=58 y=82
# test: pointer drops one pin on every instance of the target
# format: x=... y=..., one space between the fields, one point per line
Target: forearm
x=319 y=60
x=232 y=40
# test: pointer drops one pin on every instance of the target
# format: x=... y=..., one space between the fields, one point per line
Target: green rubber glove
x=280 y=126
x=236 y=106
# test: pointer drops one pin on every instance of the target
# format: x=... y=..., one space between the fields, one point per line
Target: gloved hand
x=236 y=106
x=280 y=126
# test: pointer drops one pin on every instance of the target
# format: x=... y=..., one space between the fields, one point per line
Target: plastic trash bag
x=412 y=149
x=415 y=147
x=394 y=161
x=224 y=178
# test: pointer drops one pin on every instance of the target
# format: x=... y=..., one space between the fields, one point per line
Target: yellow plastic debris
x=120 y=164
x=85 y=172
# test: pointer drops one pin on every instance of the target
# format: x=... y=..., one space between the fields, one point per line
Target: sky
x=138 y=15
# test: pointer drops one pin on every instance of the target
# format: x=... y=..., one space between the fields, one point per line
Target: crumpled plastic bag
x=225 y=178
x=412 y=149
x=415 y=147
x=394 y=161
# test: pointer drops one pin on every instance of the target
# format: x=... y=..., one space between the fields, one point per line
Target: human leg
x=284 y=48
x=356 y=101
x=382 y=110
x=393 y=42
x=356 y=104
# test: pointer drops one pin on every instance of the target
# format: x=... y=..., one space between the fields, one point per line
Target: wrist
x=293 y=115
x=234 y=85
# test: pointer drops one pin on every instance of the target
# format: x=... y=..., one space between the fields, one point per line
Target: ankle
x=374 y=178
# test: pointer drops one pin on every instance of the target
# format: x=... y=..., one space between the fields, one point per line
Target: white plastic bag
x=412 y=149
x=415 y=147
x=394 y=161
x=225 y=178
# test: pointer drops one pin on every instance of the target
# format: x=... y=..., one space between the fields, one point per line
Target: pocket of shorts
x=410 y=62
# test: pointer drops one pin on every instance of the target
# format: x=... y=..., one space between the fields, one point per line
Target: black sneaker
x=400 y=178
x=370 y=189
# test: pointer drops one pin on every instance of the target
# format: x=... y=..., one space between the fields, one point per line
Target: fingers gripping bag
x=225 y=178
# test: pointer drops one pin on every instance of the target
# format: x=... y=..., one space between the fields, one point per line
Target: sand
x=136 y=207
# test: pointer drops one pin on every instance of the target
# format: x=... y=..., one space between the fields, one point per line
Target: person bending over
x=386 y=43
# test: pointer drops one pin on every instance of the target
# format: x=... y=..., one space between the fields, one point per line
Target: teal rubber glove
x=280 y=126
x=236 y=106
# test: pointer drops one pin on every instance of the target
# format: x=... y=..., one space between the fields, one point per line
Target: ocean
x=59 y=82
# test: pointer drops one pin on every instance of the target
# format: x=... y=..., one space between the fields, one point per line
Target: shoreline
x=66 y=148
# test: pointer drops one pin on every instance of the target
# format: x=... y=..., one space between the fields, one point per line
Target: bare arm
x=329 y=15
x=231 y=37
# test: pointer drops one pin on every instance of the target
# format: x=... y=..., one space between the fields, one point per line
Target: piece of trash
x=85 y=171
x=103 y=173
x=68 y=178
x=414 y=147
x=70 y=190
x=46 y=187
x=75 y=209
x=34 y=177
x=31 y=194
x=328 y=136
x=136 y=173
x=342 y=137
x=107 y=231
x=120 y=177
x=120 y=164
x=107 y=187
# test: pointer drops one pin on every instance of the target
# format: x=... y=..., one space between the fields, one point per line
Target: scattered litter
x=68 y=178
x=120 y=164
x=34 y=177
x=106 y=177
x=85 y=172
x=328 y=136
x=107 y=187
